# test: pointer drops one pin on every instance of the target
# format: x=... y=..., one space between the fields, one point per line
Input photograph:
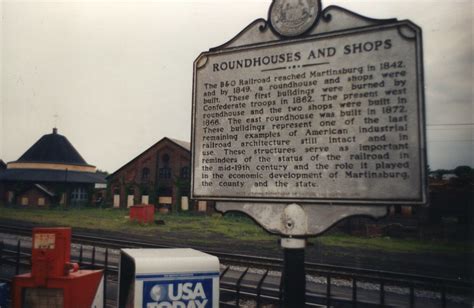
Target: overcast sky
x=119 y=73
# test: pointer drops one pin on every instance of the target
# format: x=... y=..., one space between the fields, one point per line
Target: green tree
x=463 y=171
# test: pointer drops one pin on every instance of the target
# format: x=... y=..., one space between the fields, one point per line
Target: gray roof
x=183 y=144
x=51 y=176
x=45 y=190
x=53 y=148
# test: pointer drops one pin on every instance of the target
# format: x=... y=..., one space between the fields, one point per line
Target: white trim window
x=79 y=194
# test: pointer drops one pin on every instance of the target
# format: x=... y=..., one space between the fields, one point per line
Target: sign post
x=293 y=275
x=310 y=117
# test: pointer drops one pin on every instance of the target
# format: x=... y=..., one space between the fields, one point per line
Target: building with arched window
x=50 y=172
x=159 y=176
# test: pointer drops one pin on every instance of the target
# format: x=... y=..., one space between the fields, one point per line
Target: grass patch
x=200 y=226
x=213 y=229
x=393 y=244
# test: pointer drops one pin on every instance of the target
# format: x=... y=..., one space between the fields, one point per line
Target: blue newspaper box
x=161 y=278
x=4 y=294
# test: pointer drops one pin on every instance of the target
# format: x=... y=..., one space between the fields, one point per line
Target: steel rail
x=385 y=277
x=256 y=292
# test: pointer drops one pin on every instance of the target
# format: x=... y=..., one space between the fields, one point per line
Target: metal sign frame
x=243 y=42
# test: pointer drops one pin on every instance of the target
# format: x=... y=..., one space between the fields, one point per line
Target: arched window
x=185 y=172
x=145 y=175
x=165 y=171
x=165 y=159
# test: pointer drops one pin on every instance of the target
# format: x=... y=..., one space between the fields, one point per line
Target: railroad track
x=331 y=273
x=117 y=243
x=253 y=261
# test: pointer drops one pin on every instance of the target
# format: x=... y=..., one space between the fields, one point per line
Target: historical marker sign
x=332 y=117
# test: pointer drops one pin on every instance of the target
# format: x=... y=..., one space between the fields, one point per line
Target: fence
x=335 y=286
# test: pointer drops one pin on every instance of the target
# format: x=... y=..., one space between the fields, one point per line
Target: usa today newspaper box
x=168 y=278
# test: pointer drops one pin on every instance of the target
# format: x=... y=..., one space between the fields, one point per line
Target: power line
x=465 y=140
x=447 y=128
x=449 y=124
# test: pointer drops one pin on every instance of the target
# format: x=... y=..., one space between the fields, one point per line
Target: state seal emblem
x=294 y=17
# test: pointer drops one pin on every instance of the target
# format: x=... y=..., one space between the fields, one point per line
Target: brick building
x=159 y=176
x=51 y=171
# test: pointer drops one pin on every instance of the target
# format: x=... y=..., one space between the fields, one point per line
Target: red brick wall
x=33 y=195
x=131 y=175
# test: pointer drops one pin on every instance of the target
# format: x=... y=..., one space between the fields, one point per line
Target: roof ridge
x=179 y=143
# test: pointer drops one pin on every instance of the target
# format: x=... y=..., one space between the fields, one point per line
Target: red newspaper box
x=54 y=281
x=142 y=213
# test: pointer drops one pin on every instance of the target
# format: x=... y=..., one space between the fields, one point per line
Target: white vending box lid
x=171 y=260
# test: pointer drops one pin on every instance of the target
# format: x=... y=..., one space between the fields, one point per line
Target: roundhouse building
x=160 y=176
x=50 y=172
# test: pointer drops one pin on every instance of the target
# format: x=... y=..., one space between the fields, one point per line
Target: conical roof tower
x=52 y=148
x=50 y=159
